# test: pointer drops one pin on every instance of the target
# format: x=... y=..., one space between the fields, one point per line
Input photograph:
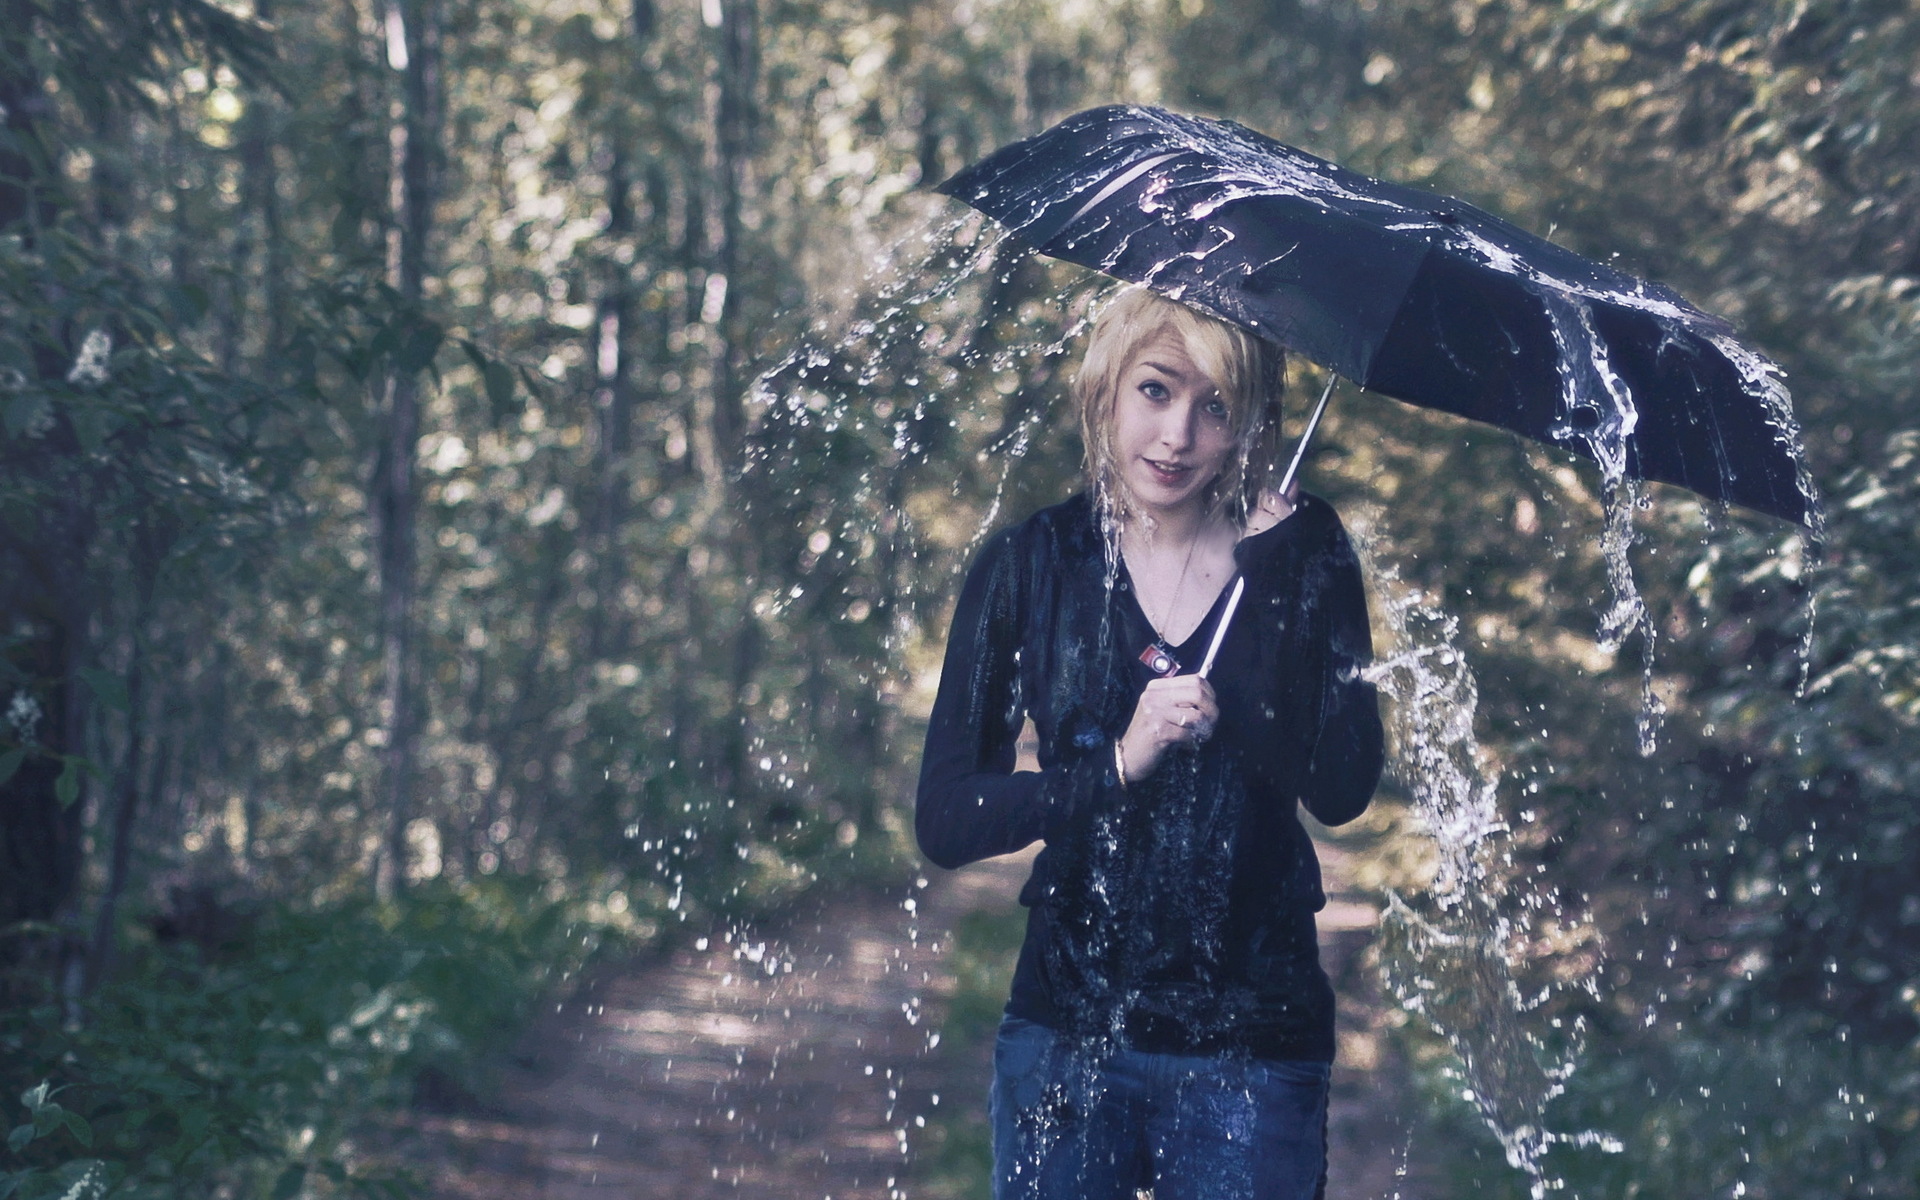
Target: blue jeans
x=1072 y=1124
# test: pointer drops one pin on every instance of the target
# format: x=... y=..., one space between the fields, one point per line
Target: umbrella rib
x=1119 y=181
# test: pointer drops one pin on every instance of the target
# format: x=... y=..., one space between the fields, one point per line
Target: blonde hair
x=1249 y=372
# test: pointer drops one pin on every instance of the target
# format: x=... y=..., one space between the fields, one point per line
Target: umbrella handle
x=1313 y=423
x=1220 y=630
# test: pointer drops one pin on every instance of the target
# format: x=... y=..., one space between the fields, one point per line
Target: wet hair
x=1249 y=372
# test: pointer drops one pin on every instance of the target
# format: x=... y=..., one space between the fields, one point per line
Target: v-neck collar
x=1193 y=639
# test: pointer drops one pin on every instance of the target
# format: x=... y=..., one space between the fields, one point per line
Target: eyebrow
x=1164 y=369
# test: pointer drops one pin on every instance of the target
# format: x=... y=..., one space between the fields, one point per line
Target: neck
x=1179 y=527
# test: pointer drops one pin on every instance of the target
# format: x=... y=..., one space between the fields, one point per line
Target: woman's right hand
x=1178 y=711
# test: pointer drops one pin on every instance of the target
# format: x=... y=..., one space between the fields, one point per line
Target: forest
x=483 y=484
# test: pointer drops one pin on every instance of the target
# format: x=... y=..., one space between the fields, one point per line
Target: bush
x=244 y=1070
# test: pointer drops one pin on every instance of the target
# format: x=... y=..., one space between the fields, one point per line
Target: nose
x=1177 y=425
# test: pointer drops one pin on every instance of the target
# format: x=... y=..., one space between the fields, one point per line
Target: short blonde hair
x=1249 y=372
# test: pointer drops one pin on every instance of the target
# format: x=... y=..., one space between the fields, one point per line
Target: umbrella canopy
x=1408 y=293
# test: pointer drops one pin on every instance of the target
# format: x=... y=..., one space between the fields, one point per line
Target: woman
x=1170 y=1026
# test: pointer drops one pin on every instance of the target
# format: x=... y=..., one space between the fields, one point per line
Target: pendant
x=1159 y=659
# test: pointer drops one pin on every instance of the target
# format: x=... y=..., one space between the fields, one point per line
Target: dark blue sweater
x=1177 y=913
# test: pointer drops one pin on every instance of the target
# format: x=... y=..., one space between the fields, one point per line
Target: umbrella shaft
x=1313 y=423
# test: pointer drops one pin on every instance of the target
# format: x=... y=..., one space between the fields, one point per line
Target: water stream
x=1457 y=955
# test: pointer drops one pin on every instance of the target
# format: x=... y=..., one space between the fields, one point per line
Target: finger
x=1182 y=697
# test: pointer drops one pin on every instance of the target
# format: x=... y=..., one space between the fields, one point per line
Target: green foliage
x=249 y=1065
x=959 y=1159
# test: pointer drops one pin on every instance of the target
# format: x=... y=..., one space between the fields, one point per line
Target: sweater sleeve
x=1321 y=742
x=1347 y=749
x=971 y=803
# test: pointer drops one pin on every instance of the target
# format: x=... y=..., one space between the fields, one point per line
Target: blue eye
x=1153 y=389
x=1217 y=408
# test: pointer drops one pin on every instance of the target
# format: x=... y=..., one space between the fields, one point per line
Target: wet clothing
x=1070 y=1126
x=1173 y=916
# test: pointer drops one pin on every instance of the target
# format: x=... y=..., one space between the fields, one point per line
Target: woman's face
x=1171 y=432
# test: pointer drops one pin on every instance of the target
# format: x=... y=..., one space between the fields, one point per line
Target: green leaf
x=67 y=788
x=89 y=426
x=9 y=1184
x=499 y=380
x=423 y=340
x=21 y=1135
x=78 y=1127
x=381 y=346
x=169 y=1089
x=345 y=231
x=193 y=1127
x=24 y=412
x=290 y=1182
x=191 y=302
x=108 y=688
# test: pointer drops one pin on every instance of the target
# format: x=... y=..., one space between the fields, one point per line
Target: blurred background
x=482 y=483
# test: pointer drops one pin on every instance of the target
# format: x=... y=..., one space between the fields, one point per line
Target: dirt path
x=795 y=1065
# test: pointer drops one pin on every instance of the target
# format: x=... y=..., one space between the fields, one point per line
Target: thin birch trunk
x=413 y=30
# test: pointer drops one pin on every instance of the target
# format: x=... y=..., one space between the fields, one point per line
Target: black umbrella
x=1409 y=293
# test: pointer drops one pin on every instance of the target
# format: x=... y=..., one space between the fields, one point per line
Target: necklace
x=1179 y=585
x=1158 y=656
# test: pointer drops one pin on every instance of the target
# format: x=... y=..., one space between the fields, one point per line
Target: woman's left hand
x=1273 y=508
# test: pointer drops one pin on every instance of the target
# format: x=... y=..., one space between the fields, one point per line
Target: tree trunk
x=260 y=236
x=413 y=50
x=42 y=567
x=614 y=402
x=735 y=122
x=126 y=793
x=512 y=748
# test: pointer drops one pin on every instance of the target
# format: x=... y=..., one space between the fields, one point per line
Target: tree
x=112 y=430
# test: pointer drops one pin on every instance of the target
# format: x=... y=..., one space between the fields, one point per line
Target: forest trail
x=794 y=1064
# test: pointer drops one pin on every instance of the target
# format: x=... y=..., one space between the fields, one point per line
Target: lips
x=1167 y=474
